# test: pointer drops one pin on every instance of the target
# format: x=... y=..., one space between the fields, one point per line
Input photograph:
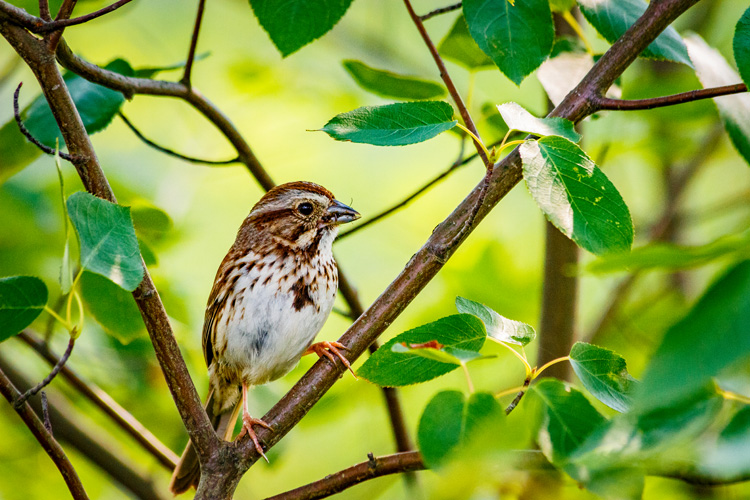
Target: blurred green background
x=274 y=102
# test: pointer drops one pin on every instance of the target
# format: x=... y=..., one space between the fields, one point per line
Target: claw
x=247 y=428
x=329 y=349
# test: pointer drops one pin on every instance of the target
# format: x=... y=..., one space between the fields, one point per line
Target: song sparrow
x=271 y=295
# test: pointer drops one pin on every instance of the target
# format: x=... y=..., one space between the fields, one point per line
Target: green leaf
x=741 y=45
x=518 y=38
x=107 y=239
x=388 y=368
x=449 y=421
x=22 y=299
x=396 y=124
x=498 y=327
x=673 y=257
x=576 y=196
x=295 y=23
x=97 y=106
x=459 y=47
x=568 y=421
x=518 y=118
x=714 y=71
x=712 y=336
x=612 y=18
x=604 y=374
x=112 y=307
x=387 y=84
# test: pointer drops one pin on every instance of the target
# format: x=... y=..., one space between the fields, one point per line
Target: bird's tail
x=188 y=471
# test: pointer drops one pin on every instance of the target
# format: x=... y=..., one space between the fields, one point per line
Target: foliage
x=608 y=183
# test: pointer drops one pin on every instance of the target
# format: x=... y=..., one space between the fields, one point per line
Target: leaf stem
x=508 y=392
x=516 y=354
x=732 y=396
x=59 y=318
x=571 y=20
x=476 y=139
x=468 y=377
x=539 y=371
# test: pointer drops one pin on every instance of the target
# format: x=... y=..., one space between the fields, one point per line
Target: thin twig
x=53 y=38
x=45 y=412
x=370 y=469
x=106 y=404
x=26 y=133
x=55 y=370
x=441 y=10
x=64 y=23
x=517 y=399
x=465 y=115
x=172 y=152
x=50 y=445
x=606 y=103
x=193 y=44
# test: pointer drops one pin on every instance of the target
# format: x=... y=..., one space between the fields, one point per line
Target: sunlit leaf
x=449 y=420
x=498 y=327
x=107 y=239
x=741 y=45
x=396 y=124
x=576 y=196
x=517 y=36
x=112 y=307
x=604 y=374
x=518 y=118
x=612 y=18
x=389 y=84
x=445 y=355
x=388 y=368
x=22 y=299
x=150 y=222
x=459 y=47
x=714 y=71
x=561 y=5
x=569 y=419
x=295 y=23
x=712 y=336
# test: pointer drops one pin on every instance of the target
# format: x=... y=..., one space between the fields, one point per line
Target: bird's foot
x=247 y=428
x=329 y=349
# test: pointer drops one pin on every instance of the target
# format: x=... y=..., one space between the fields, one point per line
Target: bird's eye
x=305 y=208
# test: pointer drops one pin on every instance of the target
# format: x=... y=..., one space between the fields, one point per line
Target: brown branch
x=344 y=479
x=193 y=44
x=64 y=23
x=50 y=445
x=70 y=430
x=172 y=152
x=27 y=133
x=66 y=10
x=606 y=103
x=513 y=404
x=44 y=11
x=41 y=61
x=121 y=417
x=441 y=10
x=55 y=370
x=465 y=115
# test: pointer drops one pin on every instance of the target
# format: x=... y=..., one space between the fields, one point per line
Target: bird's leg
x=326 y=348
x=248 y=422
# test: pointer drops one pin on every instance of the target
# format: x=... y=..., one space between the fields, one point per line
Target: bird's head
x=297 y=214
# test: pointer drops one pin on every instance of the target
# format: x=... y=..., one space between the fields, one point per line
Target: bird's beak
x=338 y=213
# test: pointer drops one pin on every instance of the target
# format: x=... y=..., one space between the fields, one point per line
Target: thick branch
x=42 y=63
x=106 y=404
x=604 y=103
x=339 y=481
x=52 y=447
x=68 y=429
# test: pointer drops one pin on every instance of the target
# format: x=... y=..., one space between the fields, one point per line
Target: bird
x=271 y=296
